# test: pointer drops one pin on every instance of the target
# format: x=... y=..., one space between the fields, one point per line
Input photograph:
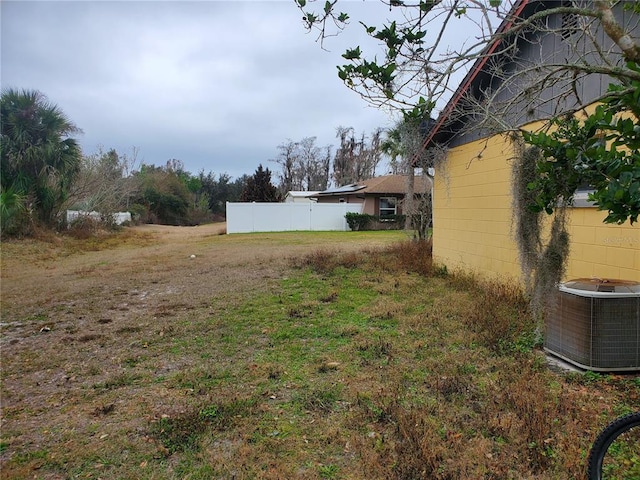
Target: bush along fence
x=364 y=221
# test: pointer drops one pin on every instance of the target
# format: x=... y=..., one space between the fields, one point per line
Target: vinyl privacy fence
x=284 y=217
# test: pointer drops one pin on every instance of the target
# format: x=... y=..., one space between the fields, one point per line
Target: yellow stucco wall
x=600 y=250
x=473 y=221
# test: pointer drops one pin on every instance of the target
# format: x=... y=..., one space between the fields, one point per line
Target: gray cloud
x=217 y=85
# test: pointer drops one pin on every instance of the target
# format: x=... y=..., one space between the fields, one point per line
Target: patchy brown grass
x=123 y=357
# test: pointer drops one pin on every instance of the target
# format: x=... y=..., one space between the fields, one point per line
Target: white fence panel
x=269 y=217
x=239 y=217
x=300 y=219
x=285 y=217
x=330 y=216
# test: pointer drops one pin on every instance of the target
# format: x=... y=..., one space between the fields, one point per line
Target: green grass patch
x=183 y=432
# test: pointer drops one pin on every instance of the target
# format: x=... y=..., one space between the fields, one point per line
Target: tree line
x=44 y=172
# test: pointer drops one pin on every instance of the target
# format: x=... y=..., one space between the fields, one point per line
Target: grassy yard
x=280 y=356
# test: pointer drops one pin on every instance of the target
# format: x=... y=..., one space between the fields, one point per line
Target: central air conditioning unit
x=595 y=324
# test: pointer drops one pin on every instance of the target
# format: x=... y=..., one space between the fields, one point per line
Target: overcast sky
x=215 y=84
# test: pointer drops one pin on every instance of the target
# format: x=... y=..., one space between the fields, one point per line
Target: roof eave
x=473 y=73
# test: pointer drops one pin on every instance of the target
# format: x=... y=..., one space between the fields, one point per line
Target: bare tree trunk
x=409 y=200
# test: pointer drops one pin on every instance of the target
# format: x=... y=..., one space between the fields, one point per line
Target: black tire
x=604 y=440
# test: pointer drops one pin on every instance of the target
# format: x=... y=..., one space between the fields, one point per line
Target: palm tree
x=392 y=147
x=39 y=159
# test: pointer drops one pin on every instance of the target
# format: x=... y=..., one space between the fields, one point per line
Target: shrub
x=502 y=317
x=364 y=221
x=410 y=256
x=326 y=261
x=358 y=221
x=139 y=213
x=83 y=227
x=14 y=216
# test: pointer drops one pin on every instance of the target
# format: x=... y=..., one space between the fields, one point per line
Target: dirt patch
x=48 y=283
x=53 y=293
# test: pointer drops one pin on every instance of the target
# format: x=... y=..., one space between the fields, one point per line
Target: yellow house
x=472 y=204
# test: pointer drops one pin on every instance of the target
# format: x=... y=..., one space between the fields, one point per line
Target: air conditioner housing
x=595 y=324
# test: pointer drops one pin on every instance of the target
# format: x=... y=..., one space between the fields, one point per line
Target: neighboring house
x=296 y=196
x=472 y=203
x=381 y=196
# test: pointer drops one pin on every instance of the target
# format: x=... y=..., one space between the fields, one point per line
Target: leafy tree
x=163 y=197
x=172 y=195
x=192 y=183
x=601 y=151
x=221 y=190
x=259 y=188
x=39 y=158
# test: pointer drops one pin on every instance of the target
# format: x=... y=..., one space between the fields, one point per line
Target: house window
x=388 y=206
x=581 y=197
